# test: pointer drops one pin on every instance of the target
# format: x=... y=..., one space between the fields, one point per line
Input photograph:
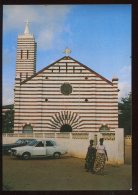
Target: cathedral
x=65 y=96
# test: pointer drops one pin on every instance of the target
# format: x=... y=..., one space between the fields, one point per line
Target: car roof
x=27 y=139
x=43 y=140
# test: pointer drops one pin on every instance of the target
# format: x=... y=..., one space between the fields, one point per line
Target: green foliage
x=11 y=106
x=8 y=120
x=125 y=114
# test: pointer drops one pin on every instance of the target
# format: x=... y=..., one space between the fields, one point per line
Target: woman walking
x=101 y=157
x=90 y=157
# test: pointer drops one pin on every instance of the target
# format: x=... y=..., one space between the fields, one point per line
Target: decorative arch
x=27 y=128
x=65 y=121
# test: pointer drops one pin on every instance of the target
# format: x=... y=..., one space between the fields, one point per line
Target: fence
x=77 y=142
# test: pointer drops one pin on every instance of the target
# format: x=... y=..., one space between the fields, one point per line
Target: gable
x=68 y=65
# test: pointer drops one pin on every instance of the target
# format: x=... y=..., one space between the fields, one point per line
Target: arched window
x=104 y=128
x=27 y=129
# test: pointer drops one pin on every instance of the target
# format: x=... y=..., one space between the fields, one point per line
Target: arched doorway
x=28 y=129
x=66 y=128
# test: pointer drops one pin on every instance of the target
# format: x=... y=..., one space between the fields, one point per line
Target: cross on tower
x=27 y=31
x=67 y=51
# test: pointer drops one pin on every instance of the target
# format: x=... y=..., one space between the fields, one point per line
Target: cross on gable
x=67 y=51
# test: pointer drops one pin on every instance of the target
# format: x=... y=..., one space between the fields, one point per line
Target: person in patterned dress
x=90 y=157
x=101 y=157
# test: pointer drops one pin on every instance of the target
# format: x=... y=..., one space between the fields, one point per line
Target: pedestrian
x=90 y=157
x=101 y=157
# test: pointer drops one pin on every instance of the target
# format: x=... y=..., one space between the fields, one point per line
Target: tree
x=125 y=114
x=8 y=119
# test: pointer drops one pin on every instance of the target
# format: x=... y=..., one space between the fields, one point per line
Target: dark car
x=20 y=142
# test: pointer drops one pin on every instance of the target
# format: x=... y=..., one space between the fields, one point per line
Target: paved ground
x=61 y=174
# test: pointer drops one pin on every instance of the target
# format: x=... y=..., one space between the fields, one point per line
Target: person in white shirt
x=101 y=157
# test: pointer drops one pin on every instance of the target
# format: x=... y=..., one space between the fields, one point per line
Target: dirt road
x=61 y=174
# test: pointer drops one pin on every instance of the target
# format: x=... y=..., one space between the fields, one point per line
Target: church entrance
x=66 y=128
x=28 y=129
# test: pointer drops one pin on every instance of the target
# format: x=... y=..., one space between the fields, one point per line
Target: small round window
x=66 y=89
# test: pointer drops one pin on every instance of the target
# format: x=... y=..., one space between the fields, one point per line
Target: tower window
x=66 y=67
x=86 y=78
x=59 y=68
x=46 y=77
x=27 y=54
x=21 y=54
x=46 y=99
x=73 y=68
x=86 y=100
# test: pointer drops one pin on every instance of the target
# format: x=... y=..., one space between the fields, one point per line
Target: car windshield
x=32 y=143
x=54 y=143
x=19 y=141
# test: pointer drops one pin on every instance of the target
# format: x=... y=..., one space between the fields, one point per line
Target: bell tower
x=26 y=54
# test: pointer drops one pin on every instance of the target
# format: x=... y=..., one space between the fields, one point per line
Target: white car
x=41 y=148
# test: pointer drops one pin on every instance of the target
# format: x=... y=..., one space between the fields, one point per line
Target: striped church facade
x=66 y=96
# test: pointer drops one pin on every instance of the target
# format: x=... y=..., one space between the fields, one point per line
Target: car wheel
x=26 y=156
x=57 y=155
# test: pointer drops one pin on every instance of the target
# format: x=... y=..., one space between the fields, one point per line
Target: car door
x=39 y=149
x=50 y=148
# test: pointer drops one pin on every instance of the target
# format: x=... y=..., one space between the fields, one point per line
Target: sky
x=99 y=37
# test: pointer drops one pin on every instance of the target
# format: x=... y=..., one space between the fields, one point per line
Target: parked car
x=43 y=148
x=20 y=142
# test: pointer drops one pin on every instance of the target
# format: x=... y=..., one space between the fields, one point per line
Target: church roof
x=67 y=58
